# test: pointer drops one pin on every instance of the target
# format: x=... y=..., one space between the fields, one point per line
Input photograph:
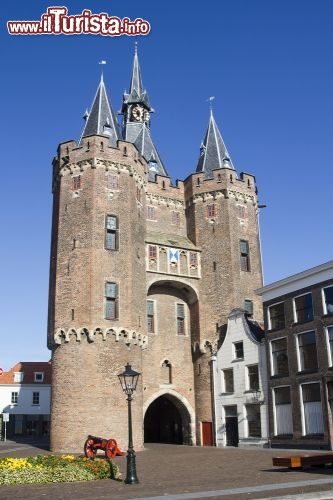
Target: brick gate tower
x=143 y=271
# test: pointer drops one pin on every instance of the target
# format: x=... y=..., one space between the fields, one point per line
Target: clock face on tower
x=140 y=114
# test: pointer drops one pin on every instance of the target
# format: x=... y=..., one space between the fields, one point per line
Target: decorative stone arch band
x=129 y=337
x=183 y=406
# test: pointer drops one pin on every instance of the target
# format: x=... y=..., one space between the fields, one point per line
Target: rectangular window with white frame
x=276 y=318
x=14 y=398
x=283 y=421
x=279 y=357
x=252 y=382
x=329 y=336
x=307 y=351
x=180 y=308
x=228 y=380
x=35 y=398
x=238 y=350
x=303 y=308
x=38 y=376
x=312 y=411
x=18 y=376
x=327 y=294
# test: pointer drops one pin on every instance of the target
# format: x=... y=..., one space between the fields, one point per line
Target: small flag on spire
x=102 y=62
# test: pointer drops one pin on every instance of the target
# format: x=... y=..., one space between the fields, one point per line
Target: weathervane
x=210 y=99
x=102 y=62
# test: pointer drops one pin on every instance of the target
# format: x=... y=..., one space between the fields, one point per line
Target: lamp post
x=128 y=381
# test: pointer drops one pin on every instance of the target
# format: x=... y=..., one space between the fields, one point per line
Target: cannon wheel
x=111 y=448
x=89 y=449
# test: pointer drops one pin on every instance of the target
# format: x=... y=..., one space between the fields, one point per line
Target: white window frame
x=247 y=378
x=323 y=299
x=271 y=356
x=234 y=357
x=18 y=377
x=296 y=320
x=224 y=390
x=39 y=377
x=329 y=354
x=297 y=335
x=274 y=408
x=14 y=397
x=302 y=405
x=269 y=314
x=32 y=400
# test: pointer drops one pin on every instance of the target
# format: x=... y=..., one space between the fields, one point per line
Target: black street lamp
x=129 y=380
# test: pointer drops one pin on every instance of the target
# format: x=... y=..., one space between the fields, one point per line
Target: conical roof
x=213 y=152
x=102 y=119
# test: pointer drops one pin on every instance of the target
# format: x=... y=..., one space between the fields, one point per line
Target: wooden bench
x=304 y=460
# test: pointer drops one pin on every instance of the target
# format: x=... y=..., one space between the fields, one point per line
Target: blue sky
x=267 y=62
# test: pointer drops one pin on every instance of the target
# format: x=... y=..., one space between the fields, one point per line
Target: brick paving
x=183 y=472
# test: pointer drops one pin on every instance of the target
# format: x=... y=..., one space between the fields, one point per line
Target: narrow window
x=112 y=181
x=166 y=372
x=111 y=232
x=151 y=316
x=152 y=252
x=211 y=210
x=244 y=255
x=253 y=377
x=330 y=344
x=307 y=350
x=279 y=357
x=328 y=300
x=312 y=409
x=193 y=259
x=276 y=319
x=76 y=182
x=228 y=380
x=111 y=294
x=238 y=350
x=18 y=376
x=303 y=308
x=283 y=414
x=14 y=398
x=151 y=213
x=241 y=211
x=180 y=319
x=35 y=398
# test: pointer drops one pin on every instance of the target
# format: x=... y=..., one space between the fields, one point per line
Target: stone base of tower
x=87 y=397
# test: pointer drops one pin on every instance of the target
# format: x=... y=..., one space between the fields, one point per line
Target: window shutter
x=111 y=222
x=110 y=241
x=244 y=246
x=110 y=309
x=111 y=290
x=150 y=308
x=180 y=311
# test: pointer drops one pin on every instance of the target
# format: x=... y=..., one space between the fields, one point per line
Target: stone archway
x=167 y=420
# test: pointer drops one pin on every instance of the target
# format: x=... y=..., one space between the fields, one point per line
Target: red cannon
x=109 y=446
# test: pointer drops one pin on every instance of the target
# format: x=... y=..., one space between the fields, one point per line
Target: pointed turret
x=213 y=152
x=102 y=119
x=136 y=110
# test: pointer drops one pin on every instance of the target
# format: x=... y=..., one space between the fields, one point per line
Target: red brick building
x=299 y=339
x=143 y=271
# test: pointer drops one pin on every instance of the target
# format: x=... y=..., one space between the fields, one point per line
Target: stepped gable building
x=145 y=272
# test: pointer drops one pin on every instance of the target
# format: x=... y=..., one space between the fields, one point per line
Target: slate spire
x=213 y=152
x=136 y=110
x=102 y=119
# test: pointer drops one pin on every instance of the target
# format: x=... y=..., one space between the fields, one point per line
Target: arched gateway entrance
x=167 y=420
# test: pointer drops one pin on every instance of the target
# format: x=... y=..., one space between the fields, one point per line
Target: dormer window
x=18 y=376
x=38 y=376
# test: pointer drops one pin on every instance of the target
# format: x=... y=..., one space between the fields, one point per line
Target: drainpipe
x=213 y=360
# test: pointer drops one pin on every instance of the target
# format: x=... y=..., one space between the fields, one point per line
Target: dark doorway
x=163 y=422
x=231 y=427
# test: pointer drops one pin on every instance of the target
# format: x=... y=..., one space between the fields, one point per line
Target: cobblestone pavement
x=182 y=473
